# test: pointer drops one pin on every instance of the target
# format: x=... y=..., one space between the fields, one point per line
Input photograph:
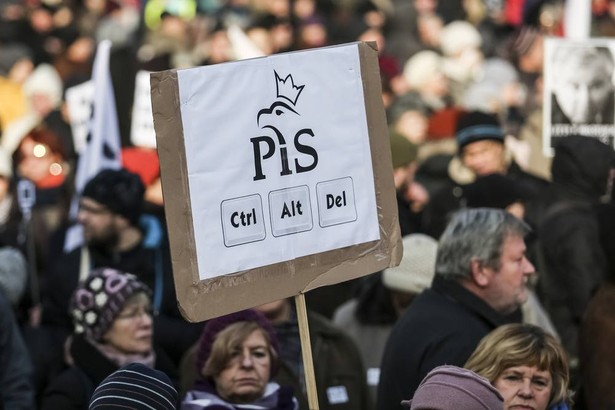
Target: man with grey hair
x=480 y=281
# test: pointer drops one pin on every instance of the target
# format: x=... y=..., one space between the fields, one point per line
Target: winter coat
x=443 y=325
x=596 y=357
x=274 y=398
x=568 y=253
x=338 y=368
x=73 y=388
x=369 y=320
x=16 y=391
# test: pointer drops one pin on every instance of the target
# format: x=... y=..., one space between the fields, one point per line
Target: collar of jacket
x=453 y=290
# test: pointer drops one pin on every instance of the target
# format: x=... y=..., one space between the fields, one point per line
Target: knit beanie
x=403 y=152
x=422 y=66
x=476 y=126
x=215 y=326
x=453 y=388
x=135 y=386
x=119 y=190
x=13 y=274
x=410 y=101
x=100 y=298
x=458 y=36
x=417 y=267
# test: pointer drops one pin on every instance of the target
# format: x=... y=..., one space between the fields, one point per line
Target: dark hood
x=582 y=164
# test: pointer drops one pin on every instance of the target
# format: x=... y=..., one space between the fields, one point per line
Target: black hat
x=119 y=190
x=476 y=126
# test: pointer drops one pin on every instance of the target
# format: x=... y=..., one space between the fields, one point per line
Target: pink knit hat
x=453 y=388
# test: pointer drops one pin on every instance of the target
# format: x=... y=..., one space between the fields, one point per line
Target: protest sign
x=79 y=100
x=276 y=175
x=142 y=132
x=579 y=93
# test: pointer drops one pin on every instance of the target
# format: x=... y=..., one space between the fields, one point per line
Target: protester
x=527 y=365
x=480 y=284
x=117 y=234
x=481 y=152
x=16 y=390
x=369 y=318
x=238 y=357
x=137 y=387
x=338 y=368
x=113 y=321
x=454 y=388
x=572 y=263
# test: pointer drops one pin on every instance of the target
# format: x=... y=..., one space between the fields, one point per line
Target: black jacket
x=16 y=391
x=569 y=256
x=73 y=388
x=443 y=325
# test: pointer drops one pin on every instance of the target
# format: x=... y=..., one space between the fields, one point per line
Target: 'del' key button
x=336 y=202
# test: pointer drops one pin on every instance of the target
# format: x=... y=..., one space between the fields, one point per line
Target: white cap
x=417 y=267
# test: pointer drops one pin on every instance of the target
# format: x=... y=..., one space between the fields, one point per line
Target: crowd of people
x=503 y=298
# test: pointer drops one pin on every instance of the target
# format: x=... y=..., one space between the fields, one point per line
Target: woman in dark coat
x=113 y=327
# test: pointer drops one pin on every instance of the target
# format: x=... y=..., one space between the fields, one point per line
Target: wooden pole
x=306 y=350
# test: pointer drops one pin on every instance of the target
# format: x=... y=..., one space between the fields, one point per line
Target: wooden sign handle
x=306 y=350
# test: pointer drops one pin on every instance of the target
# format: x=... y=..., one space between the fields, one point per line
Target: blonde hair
x=522 y=345
x=229 y=340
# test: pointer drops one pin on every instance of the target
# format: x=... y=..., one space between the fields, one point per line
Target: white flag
x=103 y=144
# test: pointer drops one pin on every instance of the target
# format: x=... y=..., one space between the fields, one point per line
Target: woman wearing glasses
x=113 y=327
x=526 y=365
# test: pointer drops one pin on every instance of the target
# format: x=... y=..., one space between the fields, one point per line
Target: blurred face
x=484 y=157
x=507 y=289
x=525 y=388
x=413 y=125
x=37 y=161
x=247 y=374
x=99 y=223
x=583 y=88
x=131 y=331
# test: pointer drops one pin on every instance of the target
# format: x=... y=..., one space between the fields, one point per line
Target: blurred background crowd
x=447 y=69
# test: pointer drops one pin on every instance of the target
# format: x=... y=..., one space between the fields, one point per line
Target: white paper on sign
x=278 y=158
x=142 y=132
x=79 y=101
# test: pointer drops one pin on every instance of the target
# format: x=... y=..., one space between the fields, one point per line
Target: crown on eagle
x=287 y=89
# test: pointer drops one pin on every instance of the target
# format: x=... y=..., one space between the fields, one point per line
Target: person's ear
x=480 y=274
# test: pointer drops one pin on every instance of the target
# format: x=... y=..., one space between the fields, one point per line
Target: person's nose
x=146 y=319
x=525 y=390
x=528 y=267
x=246 y=360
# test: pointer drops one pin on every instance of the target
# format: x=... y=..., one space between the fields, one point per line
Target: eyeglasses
x=93 y=210
x=136 y=313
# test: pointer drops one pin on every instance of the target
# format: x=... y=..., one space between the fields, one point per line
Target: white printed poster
x=79 y=101
x=142 y=132
x=278 y=160
x=579 y=90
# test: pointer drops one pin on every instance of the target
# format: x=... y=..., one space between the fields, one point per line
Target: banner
x=102 y=149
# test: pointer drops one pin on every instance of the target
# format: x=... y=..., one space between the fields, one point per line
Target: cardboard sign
x=79 y=101
x=142 y=132
x=276 y=174
x=579 y=91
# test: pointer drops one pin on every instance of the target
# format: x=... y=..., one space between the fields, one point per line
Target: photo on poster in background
x=579 y=90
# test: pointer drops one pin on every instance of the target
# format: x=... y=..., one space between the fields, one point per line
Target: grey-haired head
x=475 y=234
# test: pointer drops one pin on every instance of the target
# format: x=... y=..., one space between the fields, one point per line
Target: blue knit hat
x=476 y=126
x=135 y=386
